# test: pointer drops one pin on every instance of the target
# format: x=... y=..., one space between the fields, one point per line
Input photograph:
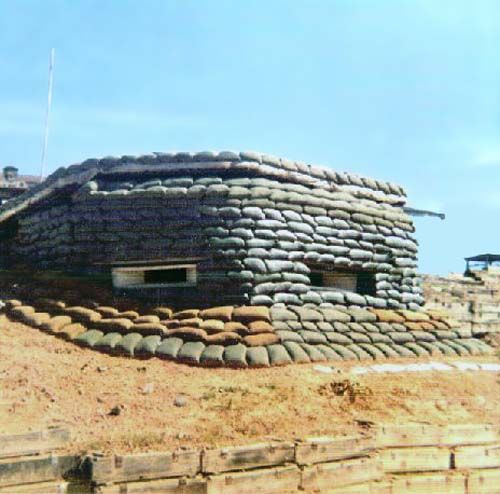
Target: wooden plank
x=462 y=434
x=484 y=482
x=326 y=476
x=325 y=449
x=245 y=457
x=104 y=469
x=164 y=486
x=433 y=483
x=60 y=487
x=364 y=488
x=35 y=469
x=278 y=480
x=422 y=459
x=477 y=456
x=396 y=436
x=12 y=445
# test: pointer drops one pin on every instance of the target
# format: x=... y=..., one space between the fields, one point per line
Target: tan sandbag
x=223 y=338
x=248 y=313
x=56 y=323
x=187 y=333
x=221 y=313
x=261 y=339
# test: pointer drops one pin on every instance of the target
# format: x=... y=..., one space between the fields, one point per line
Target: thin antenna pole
x=47 y=113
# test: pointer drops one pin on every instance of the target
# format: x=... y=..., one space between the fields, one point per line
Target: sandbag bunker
x=283 y=261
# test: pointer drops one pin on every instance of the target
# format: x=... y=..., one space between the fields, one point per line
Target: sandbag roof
x=252 y=162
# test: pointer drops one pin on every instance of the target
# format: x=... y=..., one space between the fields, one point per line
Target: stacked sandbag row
x=250 y=335
x=255 y=238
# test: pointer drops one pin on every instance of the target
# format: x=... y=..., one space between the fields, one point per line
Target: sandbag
x=278 y=355
x=108 y=341
x=257 y=357
x=235 y=355
x=169 y=348
x=126 y=346
x=223 y=338
x=212 y=356
x=147 y=346
x=296 y=352
x=190 y=352
x=262 y=339
x=89 y=338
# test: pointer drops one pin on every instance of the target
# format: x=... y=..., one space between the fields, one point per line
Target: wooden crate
x=29 y=443
x=430 y=483
x=334 y=475
x=484 y=482
x=164 y=486
x=422 y=459
x=325 y=449
x=477 y=456
x=105 y=469
x=58 y=487
x=278 y=480
x=245 y=457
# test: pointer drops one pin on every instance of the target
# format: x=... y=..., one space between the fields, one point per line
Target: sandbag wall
x=254 y=236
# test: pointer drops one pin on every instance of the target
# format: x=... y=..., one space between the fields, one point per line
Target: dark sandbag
x=257 y=357
x=297 y=353
x=82 y=314
x=169 y=348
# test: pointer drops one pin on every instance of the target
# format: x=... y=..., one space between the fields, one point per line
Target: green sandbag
x=431 y=348
x=475 y=345
x=147 y=346
x=212 y=356
x=278 y=355
x=387 y=350
x=417 y=349
x=379 y=338
x=169 y=348
x=328 y=352
x=445 y=349
x=460 y=349
x=403 y=351
x=312 y=337
x=373 y=351
x=108 y=341
x=400 y=337
x=423 y=336
x=126 y=346
x=257 y=356
x=190 y=352
x=89 y=338
x=296 y=352
x=360 y=353
x=442 y=334
x=286 y=335
x=359 y=337
x=344 y=352
x=235 y=355
x=338 y=338
x=313 y=353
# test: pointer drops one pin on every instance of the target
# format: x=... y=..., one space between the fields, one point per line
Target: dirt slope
x=45 y=381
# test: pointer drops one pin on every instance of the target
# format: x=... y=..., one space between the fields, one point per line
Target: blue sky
x=406 y=90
